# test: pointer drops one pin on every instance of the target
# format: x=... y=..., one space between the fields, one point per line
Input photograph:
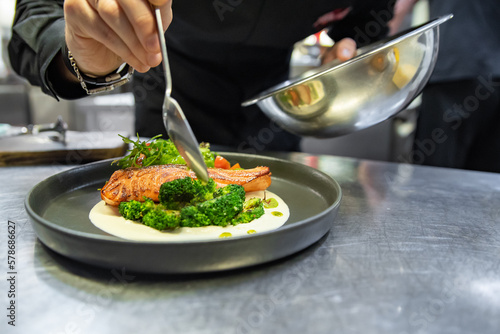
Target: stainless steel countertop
x=413 y=250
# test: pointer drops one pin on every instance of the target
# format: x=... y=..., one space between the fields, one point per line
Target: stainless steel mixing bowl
x=340 y=98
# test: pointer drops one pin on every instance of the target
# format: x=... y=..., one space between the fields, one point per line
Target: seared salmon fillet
x=136 y=183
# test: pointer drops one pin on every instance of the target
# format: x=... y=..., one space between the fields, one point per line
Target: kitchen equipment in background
x=14 y=104
x=59 y=127
x=54 y=143
x=108 y=112
x=45 y=148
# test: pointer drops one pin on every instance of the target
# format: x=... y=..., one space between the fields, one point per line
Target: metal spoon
x=175 y=122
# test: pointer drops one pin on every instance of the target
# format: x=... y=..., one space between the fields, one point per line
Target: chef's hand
x=342 y=50
x=103 y=34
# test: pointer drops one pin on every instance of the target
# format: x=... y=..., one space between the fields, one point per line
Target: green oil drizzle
x=277 y=213
x=251 y=231
x=225 y=235
x=270 y=203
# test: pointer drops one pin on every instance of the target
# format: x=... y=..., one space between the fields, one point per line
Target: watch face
x=122 y=73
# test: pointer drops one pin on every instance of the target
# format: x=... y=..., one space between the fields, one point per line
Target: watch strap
x=97 y=84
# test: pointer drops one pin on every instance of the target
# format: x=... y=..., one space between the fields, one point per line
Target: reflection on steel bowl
x=340 y=98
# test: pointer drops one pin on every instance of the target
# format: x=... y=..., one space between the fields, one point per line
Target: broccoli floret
x=252 y=209
x=135 y=210
x=178 y=193
x=150 y=214
x=203 y=191
x=192 y=217
x=162 y=219
x=130 y=210
x=227 y=203
x=231 y=188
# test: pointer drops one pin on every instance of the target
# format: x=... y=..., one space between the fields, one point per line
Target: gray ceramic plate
x=59 y=207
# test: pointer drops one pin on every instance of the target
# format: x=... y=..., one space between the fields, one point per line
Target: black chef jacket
x=470 y=42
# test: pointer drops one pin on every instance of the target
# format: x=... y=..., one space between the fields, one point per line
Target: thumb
x=342 y=50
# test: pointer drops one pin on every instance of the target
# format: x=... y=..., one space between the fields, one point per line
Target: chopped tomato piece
x=236 y=166
x=221 y=162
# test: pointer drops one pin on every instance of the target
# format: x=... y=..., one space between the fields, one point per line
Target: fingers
x=82 y=26
x=166 y=11
x=116 y=30
x=159 y=3
x=342 y=50
x=133 y=23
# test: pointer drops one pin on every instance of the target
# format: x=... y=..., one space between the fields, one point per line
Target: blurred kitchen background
x=21 y=104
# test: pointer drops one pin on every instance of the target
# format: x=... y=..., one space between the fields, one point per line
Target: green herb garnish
x=157 y=151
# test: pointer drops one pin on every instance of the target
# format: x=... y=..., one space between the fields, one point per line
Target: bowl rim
x=363 y=53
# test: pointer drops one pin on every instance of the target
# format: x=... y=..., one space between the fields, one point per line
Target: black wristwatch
x=94 y=85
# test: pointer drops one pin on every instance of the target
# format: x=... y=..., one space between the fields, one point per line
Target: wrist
x=91 y=83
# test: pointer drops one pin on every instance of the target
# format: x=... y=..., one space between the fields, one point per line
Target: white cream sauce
x=107 y=218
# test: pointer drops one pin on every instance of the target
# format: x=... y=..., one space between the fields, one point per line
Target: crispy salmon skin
x=136 y=183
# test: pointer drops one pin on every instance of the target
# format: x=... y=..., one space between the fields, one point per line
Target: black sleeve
x=37 y=38
x=365 y=23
